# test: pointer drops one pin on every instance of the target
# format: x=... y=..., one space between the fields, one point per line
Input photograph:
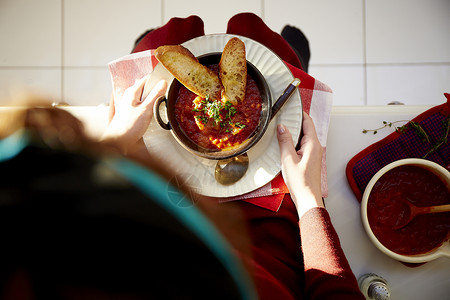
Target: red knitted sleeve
x=327 y=271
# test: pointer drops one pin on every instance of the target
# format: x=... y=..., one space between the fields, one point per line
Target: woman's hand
x=302 y=169
x=131 y=115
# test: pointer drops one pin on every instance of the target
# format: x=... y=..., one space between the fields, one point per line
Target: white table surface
x=345 y=139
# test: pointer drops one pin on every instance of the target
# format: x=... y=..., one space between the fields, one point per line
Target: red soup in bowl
x=420 y=187
x=422 y=183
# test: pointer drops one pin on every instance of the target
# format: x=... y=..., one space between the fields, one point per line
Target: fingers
x=287 y=150
x=137 y=89
x=158 y=90
x=134 y=93
x=310 y=144
x=112 y=108
x=309 y=131
x=308 y=125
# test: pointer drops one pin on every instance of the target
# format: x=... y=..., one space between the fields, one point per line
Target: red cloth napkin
x=316 y=96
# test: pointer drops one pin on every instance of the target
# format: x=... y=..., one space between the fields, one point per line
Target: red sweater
x=297 y=262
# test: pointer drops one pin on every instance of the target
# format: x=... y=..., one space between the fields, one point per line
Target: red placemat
x=363 y=166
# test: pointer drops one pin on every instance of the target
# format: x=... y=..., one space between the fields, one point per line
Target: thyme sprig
x=443 y=139
x=388 y=124
x=420 y=132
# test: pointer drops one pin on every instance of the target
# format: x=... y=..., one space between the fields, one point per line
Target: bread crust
x=185 y=67
x=233 y=71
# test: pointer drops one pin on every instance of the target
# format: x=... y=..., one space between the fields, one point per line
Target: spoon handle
x=284 y=97
x=440 y=208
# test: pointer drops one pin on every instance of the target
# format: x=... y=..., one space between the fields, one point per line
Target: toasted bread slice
x=185 y=67
x=233 y=71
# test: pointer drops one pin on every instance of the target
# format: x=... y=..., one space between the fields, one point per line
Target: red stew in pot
x=422 y=188
x=216 y=125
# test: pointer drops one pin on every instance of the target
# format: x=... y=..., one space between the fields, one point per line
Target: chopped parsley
x=217 y=111
x=202 y=119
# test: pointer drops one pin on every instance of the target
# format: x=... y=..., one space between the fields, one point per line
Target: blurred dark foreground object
x=75 y=225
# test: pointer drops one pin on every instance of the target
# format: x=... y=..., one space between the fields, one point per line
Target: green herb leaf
x=419 y=131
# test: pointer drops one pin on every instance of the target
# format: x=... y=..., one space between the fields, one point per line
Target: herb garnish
x=220 y=113
x=202 y=119
x=213 y=110
x=420 y=132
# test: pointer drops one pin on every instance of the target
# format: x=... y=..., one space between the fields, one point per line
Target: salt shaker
x=374 y=287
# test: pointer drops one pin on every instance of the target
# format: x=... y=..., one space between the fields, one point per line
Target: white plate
x=264 y=157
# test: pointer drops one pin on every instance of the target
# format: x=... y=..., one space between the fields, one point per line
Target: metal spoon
x=231 y=170
x=412 y=211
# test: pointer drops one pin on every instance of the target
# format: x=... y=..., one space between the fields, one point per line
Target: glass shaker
x=374 y=287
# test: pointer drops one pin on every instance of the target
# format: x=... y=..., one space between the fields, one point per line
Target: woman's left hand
x=131 y=114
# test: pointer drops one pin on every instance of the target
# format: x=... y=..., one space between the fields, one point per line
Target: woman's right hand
x=302 y=169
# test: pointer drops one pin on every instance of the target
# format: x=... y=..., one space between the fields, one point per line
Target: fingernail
x=281 y=129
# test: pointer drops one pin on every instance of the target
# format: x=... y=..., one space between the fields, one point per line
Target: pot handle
x=285 y=96
x=160 y=121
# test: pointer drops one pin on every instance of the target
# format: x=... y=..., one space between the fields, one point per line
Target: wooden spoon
x=412 y=211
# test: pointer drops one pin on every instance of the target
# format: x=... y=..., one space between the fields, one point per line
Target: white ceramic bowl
x=441 y=172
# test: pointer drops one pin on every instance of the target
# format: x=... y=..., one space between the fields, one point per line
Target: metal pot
x=187 y=143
